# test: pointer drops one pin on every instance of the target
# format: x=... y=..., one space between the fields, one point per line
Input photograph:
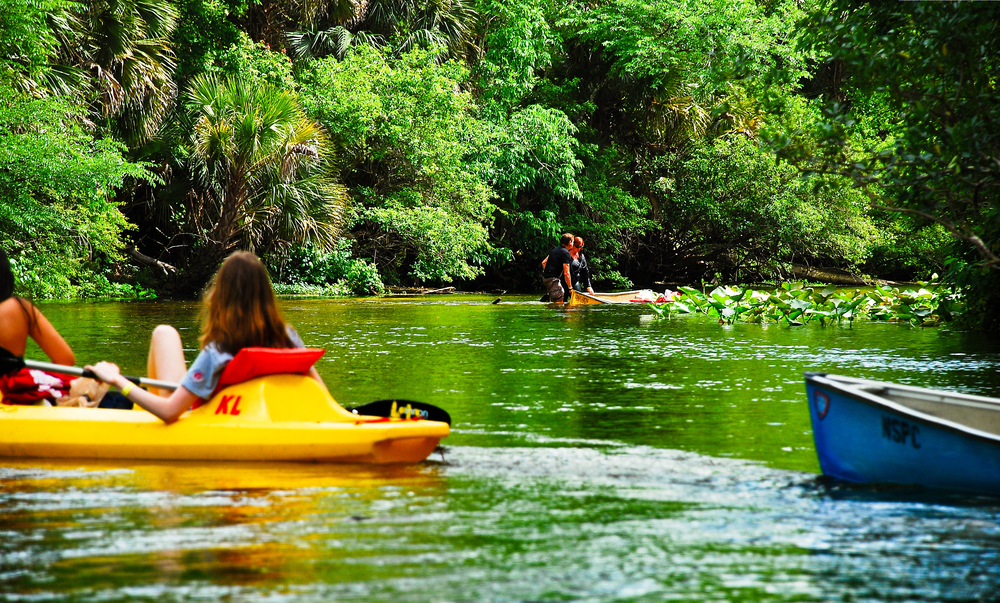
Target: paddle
x=11 y=364
x=405 y=409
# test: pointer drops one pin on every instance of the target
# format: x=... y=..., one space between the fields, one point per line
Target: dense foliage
x=58 y=220
x=911 y=118
x=360 y=145
x=408 y=142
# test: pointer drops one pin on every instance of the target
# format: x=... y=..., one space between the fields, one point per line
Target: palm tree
x=313 y=13
x=263 y=165
x=445 y=24
x=123 y=45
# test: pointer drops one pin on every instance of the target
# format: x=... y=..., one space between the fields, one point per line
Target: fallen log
x=147 y=261
x=830 y=276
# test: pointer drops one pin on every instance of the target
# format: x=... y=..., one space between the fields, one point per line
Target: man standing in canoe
x=555 y=270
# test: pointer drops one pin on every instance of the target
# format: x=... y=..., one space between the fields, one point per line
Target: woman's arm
x=585 y=274
x=51 y=342
x=168 y=409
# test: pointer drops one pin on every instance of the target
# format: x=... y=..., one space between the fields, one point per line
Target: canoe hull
x=275 y=418
x=862 y=437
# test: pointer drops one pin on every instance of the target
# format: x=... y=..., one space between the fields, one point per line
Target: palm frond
x=254 y=148
x=336 y=41
x=63 y=80
x=422 y=38
x=124 y=45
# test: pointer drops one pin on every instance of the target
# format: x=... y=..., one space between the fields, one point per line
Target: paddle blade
x=402 y=409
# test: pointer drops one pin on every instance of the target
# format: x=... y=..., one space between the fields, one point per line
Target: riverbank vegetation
x=361 y=145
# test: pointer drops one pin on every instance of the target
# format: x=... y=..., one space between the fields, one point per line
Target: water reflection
x=508 y=524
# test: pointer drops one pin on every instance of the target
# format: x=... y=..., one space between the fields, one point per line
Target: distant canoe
x=576 y=298
x=870 y=431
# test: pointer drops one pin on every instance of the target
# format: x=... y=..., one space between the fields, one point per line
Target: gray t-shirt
x=206 y=369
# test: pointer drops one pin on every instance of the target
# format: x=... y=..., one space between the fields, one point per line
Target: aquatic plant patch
x=796 y=304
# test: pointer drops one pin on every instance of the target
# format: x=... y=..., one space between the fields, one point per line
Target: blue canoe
x=870 y=431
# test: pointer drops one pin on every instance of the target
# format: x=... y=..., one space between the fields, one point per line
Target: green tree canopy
x=936 y=154
x=57 y=184
x=409 y=145
x=933 y=64
x=26 y=41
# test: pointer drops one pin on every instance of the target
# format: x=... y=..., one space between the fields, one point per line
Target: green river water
x=597 y=454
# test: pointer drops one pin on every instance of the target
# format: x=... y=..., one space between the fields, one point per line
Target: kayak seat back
x=272 y=384
x=250 y=363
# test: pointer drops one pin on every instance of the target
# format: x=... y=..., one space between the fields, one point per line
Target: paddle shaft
x=74 y=370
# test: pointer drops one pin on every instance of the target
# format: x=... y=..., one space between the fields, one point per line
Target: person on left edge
x=239 y=310
x=19 y=320
x=579 y=268
x=556 y=270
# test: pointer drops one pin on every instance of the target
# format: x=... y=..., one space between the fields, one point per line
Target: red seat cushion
x=257 y=362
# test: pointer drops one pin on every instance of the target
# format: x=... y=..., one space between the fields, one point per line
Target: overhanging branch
x=990 y=259
x=145 y=260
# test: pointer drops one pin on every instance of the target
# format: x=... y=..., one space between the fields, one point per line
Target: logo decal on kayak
x=407 y=412
x=822 y=402
x=224 y=407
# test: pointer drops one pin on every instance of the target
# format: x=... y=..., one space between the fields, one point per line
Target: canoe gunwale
x=852 y=388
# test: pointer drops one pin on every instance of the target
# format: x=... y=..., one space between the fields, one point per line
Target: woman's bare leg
x=166 y=357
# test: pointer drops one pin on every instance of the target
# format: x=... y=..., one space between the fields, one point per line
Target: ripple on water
x=583 y=522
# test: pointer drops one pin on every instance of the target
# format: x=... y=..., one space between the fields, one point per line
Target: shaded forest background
x=362 y=144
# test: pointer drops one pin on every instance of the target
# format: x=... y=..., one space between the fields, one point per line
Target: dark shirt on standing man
x=558 y=258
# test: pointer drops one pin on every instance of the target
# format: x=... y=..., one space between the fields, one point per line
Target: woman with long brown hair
x=240 y=310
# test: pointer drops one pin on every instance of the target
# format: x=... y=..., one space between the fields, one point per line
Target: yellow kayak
x=281 y=417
